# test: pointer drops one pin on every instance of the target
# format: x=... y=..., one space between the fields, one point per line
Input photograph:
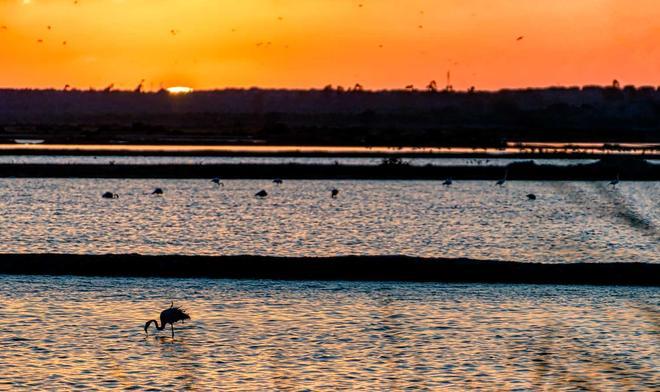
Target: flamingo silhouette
x=503 y=180
x=615 y=182
x=168 y=316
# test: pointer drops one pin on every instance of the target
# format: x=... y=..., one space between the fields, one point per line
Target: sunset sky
x=209 y=44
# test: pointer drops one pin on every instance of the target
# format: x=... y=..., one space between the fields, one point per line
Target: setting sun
x=303 y=44
x=179 y=90
x=377 y=195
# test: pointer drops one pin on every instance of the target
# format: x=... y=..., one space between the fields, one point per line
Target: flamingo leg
x=172 y=325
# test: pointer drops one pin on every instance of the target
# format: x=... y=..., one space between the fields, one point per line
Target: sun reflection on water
x=86 y=333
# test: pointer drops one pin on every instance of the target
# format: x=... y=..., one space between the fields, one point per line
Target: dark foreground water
x=86 y=334
x=568 y=222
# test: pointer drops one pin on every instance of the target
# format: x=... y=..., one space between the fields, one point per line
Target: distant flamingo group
x=334 y=193
x=262 y=194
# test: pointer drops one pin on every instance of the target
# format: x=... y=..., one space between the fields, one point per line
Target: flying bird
x=520 y=38
x=168 y=316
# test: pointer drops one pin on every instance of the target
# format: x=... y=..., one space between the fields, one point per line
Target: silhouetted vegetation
x=335 y=116
x=391 y=168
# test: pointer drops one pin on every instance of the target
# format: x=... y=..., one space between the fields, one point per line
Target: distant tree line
x=336 y=115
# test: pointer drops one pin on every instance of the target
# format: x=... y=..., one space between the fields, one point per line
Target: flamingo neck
x=158 y=327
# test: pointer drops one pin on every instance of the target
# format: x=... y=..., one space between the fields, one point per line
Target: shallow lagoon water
x=86 y=334
x=569 y=221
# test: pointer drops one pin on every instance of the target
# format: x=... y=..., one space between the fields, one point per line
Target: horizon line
x=334 y=88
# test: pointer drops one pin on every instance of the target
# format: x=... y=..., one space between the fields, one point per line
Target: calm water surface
x=569 y=221
x=86 y=334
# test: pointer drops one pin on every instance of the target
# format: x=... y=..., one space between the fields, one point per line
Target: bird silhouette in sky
x=520 y=38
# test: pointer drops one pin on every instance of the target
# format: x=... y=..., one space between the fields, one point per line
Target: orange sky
x=311 y=43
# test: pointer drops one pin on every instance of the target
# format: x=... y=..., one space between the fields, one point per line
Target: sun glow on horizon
x=209 y=44
x=176 y=90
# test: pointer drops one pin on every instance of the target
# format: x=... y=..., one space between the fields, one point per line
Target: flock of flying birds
x=262 y=44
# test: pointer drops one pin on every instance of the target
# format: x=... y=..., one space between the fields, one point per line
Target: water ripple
x=86 y=333
x=569 y=222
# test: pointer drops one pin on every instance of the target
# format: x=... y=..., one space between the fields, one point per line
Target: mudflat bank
x=356 y=268
x=393 y=169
